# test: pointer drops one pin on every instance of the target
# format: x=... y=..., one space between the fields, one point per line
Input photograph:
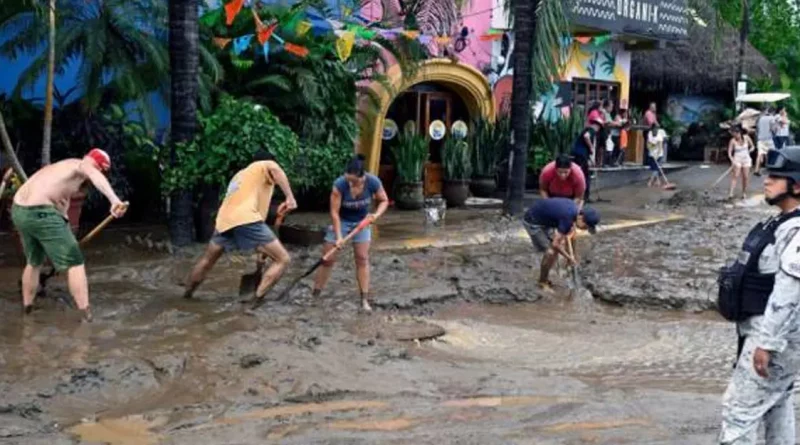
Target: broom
x=667 y=185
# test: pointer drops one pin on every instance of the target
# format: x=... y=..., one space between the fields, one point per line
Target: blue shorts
x=244 y=237
x=363 y=236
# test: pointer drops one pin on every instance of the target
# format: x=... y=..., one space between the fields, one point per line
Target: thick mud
x=462 y=347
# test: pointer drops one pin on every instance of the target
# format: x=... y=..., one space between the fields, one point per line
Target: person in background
x=612 y=129
x=739 y=149
x=563 y=178
x=583 y=150
x=622 y=142
x=655 y=153
x=782 y=124
x=595 y=113
x=764 y=135
x=650 y=116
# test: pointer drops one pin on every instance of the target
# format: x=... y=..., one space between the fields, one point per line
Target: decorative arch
x=469 y=83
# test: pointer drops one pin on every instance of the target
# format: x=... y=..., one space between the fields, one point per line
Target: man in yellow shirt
x=241 y=222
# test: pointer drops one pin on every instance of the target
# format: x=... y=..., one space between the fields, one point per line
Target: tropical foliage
x=410 y=154
x=456 y=159
x=489 y=141
x=226 y=142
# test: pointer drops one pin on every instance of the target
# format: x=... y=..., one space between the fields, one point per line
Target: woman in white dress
x=739 y=149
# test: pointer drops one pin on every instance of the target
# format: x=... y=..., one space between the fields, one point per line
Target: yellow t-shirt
x=248 y=197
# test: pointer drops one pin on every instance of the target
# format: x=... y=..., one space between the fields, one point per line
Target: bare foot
x=86 y=315
x=365 y=305
x=545 y=285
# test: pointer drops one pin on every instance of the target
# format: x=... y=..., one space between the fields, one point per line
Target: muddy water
x=514 y=365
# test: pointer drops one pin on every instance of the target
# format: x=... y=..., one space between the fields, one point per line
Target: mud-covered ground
x=514 y=365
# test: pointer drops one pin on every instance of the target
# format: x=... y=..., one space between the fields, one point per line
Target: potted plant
x=489 y=140
x=410 y=154
x=457 y=171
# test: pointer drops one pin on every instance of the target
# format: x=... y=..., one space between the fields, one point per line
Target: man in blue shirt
x=549 y=222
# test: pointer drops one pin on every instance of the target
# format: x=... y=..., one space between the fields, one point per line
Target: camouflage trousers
x=750 y=399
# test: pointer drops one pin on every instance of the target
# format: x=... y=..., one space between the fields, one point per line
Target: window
x=586 y=91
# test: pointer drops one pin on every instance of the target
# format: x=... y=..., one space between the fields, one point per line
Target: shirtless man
x=39 y=213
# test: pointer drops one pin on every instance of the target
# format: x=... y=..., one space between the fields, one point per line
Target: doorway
x=421 y=106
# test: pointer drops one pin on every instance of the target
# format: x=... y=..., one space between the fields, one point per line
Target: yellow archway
x=470 y=84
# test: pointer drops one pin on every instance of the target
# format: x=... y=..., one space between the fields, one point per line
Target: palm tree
x=14 y=11
x=51 y=75
x=184 y=55
x=539 y=26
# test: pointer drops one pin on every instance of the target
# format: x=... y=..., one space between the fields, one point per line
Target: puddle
x=489 y=402
x=303 y=409
x=131 y=430
x=397 y=424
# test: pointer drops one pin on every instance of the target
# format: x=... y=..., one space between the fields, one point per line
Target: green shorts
x=45 y=232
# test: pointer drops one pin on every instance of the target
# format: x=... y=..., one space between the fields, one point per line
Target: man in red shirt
x=563 y=178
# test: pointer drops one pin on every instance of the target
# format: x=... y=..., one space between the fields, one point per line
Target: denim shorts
x=245 y=237
x=363 y=236
x=541 y=236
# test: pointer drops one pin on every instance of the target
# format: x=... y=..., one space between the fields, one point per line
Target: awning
x=762 y=97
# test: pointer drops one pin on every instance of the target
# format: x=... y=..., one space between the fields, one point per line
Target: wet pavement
x=463 y=348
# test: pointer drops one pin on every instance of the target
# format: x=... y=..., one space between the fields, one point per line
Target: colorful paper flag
x=221 y=42
x=344 y=45
x=266 y=51
x=490 y=37
x=297 y=50
x=232 y=10
x=278 y=38
x=583 y=39
x=240 y=44
x=600 y=40
x=265 y=33
x=411 y=34
x=303 y=28
x=443 y=40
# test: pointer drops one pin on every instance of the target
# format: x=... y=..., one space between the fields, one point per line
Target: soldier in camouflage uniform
x=763 y=381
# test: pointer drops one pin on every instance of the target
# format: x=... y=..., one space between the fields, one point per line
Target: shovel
x=249 y=282
x=576 y=276
x=43 y=277
x=4 y=182
x=361 y=226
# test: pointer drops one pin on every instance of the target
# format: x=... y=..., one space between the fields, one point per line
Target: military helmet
x=784 y=163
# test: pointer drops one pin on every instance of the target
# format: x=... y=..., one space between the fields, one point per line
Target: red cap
x=102 y=158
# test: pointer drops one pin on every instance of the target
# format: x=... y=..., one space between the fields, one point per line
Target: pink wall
x=477 y=17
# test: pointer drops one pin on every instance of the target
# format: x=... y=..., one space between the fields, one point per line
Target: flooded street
x=462 y=347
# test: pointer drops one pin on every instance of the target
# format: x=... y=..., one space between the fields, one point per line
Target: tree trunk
x=51 y=74
x=184 y=69
x=521 y=98
x=743 y=33
x=9 y=149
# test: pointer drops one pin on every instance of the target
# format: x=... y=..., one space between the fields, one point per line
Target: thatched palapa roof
x=705 y=63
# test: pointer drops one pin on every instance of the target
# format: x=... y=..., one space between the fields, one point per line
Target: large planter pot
x=408 y=195
x=483 y=186
x=455 y=192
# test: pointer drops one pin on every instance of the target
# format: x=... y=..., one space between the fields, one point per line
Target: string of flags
x=354 y=29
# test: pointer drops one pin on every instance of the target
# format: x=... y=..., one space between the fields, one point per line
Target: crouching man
x=241 y=222
x=549 y=222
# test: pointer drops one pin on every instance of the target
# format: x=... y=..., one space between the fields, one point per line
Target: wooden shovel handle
x=361 y=226
x=99 y=227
